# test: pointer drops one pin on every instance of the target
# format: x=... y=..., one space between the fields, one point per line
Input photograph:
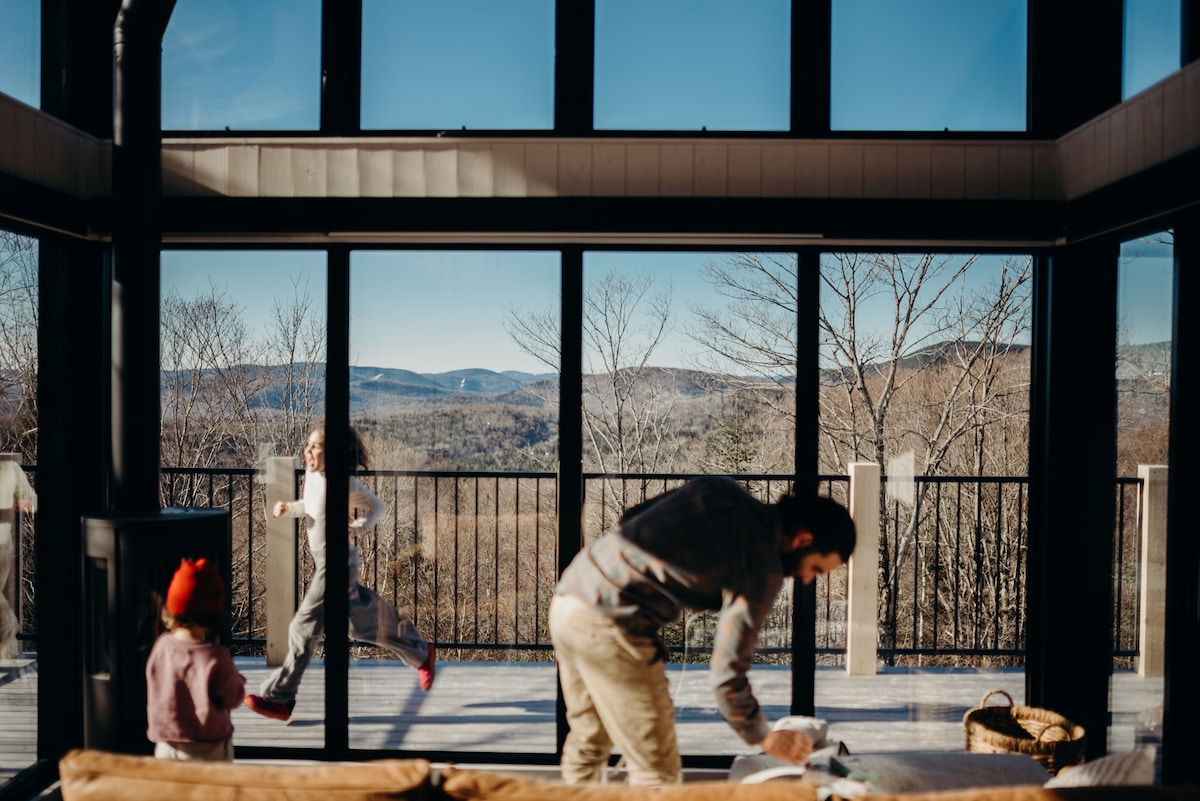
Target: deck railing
x=473 y=557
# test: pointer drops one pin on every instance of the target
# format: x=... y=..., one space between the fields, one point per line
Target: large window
x=925 y=370
x=21 y=50
x=1143 y=382
x=18 y=504
x=689 y=361
x=684 y=358
x=462 y=425
x=1153 y=43
x=928 y=65
x=458 y=65
x=242 y=66
x=243 y=380
x=692 y=65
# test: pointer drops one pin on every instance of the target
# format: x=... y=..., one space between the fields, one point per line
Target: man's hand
x=790 y=746
x=280 y=508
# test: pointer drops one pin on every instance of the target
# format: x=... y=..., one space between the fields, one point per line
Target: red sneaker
x=425 y=671
x=280 y=710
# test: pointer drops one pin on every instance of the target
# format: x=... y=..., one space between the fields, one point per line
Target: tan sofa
x=90 y=775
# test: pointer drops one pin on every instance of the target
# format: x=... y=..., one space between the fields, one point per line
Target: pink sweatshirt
x=190 y=689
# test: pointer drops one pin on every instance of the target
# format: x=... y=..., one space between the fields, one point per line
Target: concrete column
x=281 y=556
x=1152 y=518
x=862 y=605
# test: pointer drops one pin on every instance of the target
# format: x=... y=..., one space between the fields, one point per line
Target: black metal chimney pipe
x=136 y=241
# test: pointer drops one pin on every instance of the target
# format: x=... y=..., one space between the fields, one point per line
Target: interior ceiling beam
x=726 y=221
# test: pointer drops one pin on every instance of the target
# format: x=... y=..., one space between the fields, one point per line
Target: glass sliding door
x=925 y=372
x=1143 y=382
x=243 y=383
x=18 y=500
x=689 y=367
x=460 y=415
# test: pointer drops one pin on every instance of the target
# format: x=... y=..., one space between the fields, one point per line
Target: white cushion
x=935 y=771
x=1133 y=768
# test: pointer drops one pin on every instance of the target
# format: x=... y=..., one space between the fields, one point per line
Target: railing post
x=1152 y=517
x=14 y=488
x=280 y=575
x=862 y=584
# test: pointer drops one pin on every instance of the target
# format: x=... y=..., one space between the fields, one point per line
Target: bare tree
x=228 y=392
x=628 y=402
x=213 y=374
x=18 y=408
x=754 y=331
x=18 y=344
x=914 y=363
x=228 y=396
x=1143 y=371
x=295 y=346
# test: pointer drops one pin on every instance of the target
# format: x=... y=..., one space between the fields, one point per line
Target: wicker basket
x=1046 y=736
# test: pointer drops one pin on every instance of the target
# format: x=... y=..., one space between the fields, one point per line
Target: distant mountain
x=1148 y=361
x=372 y=387
x=381 y=388
x=928 y=356
x=951 y=349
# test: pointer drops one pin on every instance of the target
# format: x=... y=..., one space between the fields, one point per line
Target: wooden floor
x=509 y=707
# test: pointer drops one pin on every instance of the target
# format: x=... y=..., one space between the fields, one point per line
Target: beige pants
x=616 y=693
x=211 y=752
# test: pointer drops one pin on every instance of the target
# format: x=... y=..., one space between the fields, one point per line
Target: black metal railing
x=473 y=557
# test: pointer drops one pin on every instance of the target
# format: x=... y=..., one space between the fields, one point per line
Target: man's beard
x=791 y=559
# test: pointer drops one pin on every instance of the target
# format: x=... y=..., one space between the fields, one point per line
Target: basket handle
x=1052 y=726
x=983 y=701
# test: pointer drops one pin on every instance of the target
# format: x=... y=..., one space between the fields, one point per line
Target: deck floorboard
x=489 y=707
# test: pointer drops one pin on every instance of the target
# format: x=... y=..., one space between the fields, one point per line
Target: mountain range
x=376 y=387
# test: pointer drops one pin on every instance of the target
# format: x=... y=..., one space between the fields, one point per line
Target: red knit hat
x=196 y=589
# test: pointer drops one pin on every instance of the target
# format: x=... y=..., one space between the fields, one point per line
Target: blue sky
x=433 y=311
x=921 y=64
x=1144 y=291
x=660 y=64
x=967 y=57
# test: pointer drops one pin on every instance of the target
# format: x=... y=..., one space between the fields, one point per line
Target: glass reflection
x=21 y=50
x=691 y=65
x=18 y=499
x=1143 y=380
x=1153 y=43
x=243 y=354
x=689 y=364
x=930 y=65
x=237 y=66
x=908 y=343
x=458 y=65
x=462 y=423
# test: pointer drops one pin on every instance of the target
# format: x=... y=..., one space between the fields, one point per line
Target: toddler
x=191 y=681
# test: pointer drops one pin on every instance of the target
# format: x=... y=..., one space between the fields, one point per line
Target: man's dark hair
x=827 y=520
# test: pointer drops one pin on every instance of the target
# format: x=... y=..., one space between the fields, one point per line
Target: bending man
x=706 y=545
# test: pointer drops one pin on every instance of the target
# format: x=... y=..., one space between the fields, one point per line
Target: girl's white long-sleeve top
x=368 y=507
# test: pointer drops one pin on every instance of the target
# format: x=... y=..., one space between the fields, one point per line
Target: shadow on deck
x=490 y=707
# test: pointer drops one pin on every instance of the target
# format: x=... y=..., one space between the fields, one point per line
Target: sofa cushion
x=925 y=771
x=1132 y=768
x=466 y=784
x=902 y=771
x=93 y=775
x=1038 y=793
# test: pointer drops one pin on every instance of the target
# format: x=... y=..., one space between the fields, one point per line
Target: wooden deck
x=509 y=707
